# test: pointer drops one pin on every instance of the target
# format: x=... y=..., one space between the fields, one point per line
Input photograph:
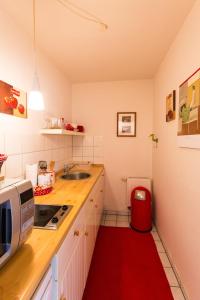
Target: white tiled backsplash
x=88 y=148
x=29 y=149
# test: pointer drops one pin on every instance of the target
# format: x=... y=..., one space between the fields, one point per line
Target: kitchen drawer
x=62 y=257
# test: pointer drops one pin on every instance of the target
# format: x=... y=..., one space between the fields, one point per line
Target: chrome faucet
x=68 y=167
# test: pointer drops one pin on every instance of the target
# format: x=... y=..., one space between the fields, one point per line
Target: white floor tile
x=171 y=277
x=111 y=218
x=153 y=228
x=155 y=236
x=159 y=246
x=122 y=219
x=122 y=224
x=102 y=220
x=164 y=259
x=110 y=223
x=110 y=212
x=177 y=293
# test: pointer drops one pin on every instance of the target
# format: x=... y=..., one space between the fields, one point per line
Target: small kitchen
x=84 y=92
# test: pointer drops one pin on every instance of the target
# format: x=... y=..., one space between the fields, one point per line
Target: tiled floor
x=115 y=219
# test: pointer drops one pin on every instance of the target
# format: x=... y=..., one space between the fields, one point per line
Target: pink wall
x=176 y=170
x=96 y=105
x=20 y=138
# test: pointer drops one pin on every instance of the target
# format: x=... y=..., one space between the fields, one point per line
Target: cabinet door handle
x=86 y=233
x=101 y=191
x=91 y=200
x=76 y=233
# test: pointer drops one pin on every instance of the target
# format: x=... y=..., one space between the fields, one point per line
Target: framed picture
x=126 y=124
x=171 y=106
x=189 y=112
x=12 y=100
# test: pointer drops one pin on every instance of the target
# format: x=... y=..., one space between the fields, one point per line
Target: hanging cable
x=82 y=13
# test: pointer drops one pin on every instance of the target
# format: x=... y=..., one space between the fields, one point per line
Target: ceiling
x=138 y=36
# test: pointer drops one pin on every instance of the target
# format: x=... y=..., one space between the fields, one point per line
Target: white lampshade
x=36 y=101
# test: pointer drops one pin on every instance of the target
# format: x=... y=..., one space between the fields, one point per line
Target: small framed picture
x=171 y=106
x=126 y=124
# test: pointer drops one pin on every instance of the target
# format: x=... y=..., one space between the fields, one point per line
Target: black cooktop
x=50 y=216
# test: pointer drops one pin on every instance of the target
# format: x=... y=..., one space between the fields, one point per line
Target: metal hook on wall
x=154 y=138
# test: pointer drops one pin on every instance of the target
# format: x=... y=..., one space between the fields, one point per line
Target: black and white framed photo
x=126 y=124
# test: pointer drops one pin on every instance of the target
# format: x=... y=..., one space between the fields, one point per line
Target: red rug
x=126 y=266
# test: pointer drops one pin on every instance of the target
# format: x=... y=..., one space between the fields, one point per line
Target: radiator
x=133 y=182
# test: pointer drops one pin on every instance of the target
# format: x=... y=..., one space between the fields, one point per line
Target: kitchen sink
x=75 y=176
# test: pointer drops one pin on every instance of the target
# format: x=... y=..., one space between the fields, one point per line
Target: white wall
x=20 y=138
x=96 y=105
x=176 y=170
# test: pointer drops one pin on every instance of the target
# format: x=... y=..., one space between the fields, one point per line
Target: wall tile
x=68 y=141
x=54 y=142
x=88 y=141
x=68 y=154
x=14 y=166
x=3 y=170
x=13 y=144
x=77 y=158
x=61 y=154
x=55 y=154
x=27 y=143
x=77 y=141
x=48 y=142
x=77 y=151
x=88 y=151
x=32 y=143
x=29 y=158
x=2 y=143
x=60 y=141
x=88 y=158
x=45 y=155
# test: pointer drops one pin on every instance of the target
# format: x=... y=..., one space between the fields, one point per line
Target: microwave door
x=9 y=223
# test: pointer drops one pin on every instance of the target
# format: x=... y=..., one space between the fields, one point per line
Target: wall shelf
x=61 y=132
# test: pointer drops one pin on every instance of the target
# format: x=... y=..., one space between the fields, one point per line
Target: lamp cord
x=84 y=14
x=34 y=34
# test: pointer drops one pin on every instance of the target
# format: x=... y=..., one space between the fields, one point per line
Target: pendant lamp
x=35 y=101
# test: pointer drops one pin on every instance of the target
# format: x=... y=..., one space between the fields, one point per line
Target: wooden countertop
x=20 y=277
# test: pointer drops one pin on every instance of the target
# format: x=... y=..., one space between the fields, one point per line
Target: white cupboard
x=71 y=263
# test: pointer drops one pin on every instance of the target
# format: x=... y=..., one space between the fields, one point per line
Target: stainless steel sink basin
x=75 y=176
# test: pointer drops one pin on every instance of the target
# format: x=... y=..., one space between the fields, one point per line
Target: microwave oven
x=16 y=216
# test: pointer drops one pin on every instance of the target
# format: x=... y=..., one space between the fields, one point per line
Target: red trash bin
x=141 y=212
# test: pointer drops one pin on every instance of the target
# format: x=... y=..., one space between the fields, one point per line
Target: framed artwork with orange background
x=171 y=106
x=13 y=101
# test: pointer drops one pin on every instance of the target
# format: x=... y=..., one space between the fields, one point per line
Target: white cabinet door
x=98 y=205
x=44 y=290
x=93 y=213
x=68 y=263
x=73 y=281
x=89 y=232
